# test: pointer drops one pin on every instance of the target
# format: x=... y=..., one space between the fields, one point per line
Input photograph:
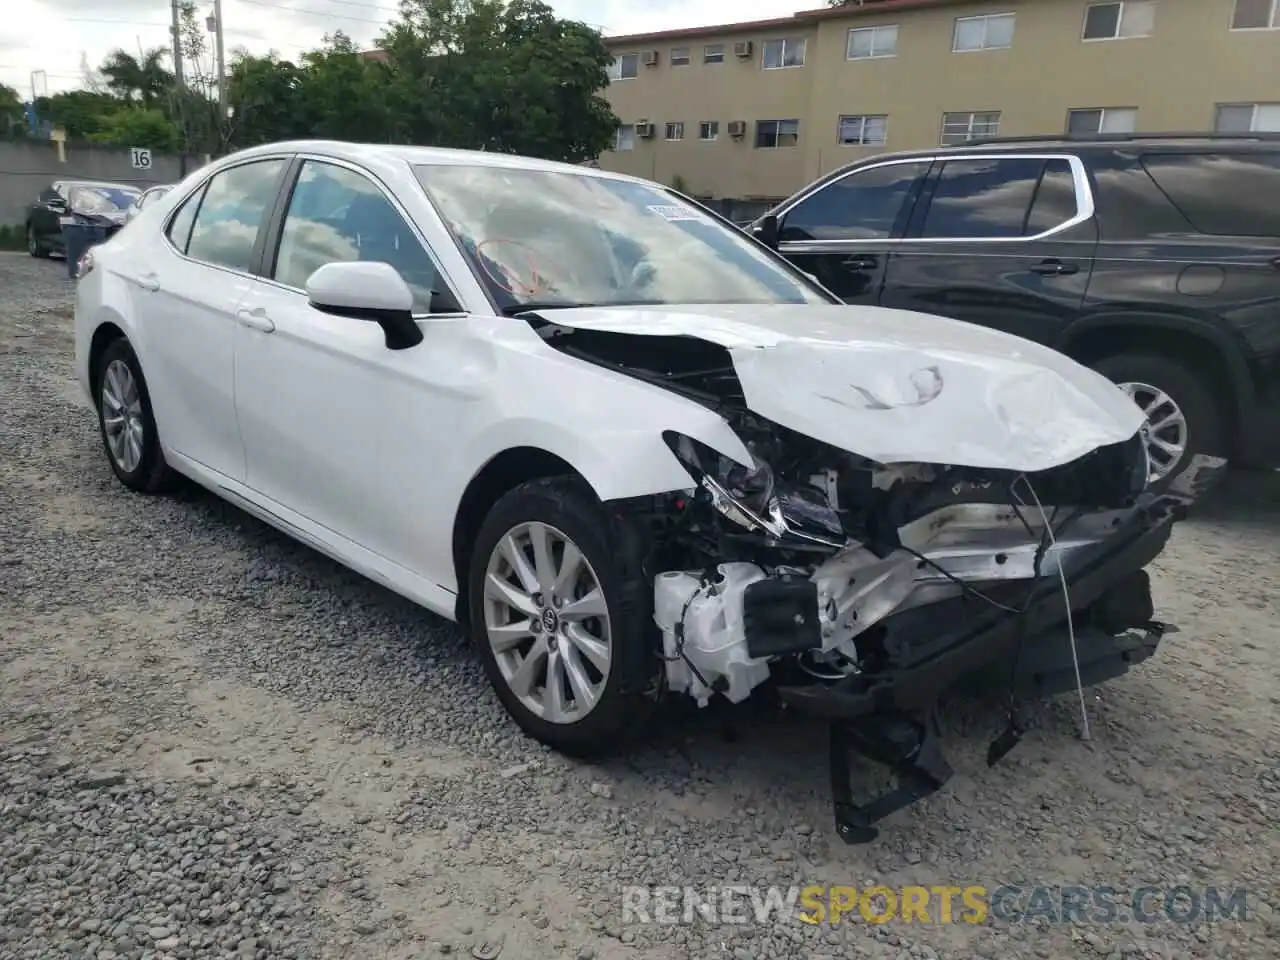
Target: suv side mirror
x=367 y=290
x=766 y=230
x=56 y=202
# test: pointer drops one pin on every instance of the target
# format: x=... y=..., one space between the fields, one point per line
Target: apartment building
x=756 y=110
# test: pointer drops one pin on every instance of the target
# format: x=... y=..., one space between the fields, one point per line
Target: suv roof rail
x=1118 y=138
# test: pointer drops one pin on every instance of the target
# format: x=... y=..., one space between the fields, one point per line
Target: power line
x=314 y=13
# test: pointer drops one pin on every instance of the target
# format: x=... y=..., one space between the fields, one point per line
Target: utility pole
x=177 y=43
x=222 y=63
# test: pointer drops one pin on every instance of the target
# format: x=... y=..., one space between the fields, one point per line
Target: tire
x=34 y=246
x=1206 y=420
x=613 y=558
x=148 y=473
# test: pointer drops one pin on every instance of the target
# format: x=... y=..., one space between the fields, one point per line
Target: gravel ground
x=216 y=743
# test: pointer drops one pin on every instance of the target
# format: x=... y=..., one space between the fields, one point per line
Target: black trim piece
x=270 y=231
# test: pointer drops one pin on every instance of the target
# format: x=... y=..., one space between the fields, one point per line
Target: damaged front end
x=865 y=587
x=865 y=591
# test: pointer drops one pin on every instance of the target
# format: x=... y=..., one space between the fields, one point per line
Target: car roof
x=374 y=154
x=101 y=183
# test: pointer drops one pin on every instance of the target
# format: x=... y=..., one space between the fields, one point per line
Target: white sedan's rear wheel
x=562 y=622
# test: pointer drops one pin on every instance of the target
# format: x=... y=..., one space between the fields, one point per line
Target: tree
x=138 y=127
x=503 y=75
x=79 y=112
x=334 y=78
x=13 y=117
x=264 y=93
x=145 y=79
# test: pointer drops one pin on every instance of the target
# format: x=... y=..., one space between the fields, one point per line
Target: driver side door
x=841 y=233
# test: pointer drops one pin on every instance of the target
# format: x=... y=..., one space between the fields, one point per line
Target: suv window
x=180 y=226
x=865 y=205
x=991 y=199
x=337 y=215
x=236 y=202
x=1222 y=194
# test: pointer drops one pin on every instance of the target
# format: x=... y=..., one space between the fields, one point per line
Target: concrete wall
x=27 y=167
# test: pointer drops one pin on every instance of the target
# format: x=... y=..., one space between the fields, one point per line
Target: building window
x=788 y=52
x=625 y=67
x=963 y=127
x=624 y=138
x=675 y=130
x=1120 y=21
x=713 y=53
x=1103 y=120
x=994 y=32
x=1248 y=118
x=1256 y=15
x=679 y=56
x=869 y=42
x=777 y=133
x=861 y=131
x=708 y=129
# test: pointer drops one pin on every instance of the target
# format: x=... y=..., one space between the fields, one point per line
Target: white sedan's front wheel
x=561 y=621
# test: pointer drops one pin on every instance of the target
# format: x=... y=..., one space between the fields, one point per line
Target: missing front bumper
x=890 y=717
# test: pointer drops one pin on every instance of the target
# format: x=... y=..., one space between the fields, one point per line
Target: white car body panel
x=896 y=386
x=365 y=453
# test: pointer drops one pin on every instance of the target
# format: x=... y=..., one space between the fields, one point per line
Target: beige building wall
x=1176 y=77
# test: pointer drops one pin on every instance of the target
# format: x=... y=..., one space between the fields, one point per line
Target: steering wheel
x=509 y=280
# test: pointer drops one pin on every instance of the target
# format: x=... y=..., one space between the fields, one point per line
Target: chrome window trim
x=355 y=168
x=1085 y=207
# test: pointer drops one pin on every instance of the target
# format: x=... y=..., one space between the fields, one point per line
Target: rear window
x=1223 y=194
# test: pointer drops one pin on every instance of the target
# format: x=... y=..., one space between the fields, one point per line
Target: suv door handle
x=859 y=263
x=1055 y=268
x=256 y=319
x=148 y=281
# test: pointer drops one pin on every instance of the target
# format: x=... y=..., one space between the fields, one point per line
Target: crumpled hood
x=897 y=386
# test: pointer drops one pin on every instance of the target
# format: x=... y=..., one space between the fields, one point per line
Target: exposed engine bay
x=866 y=588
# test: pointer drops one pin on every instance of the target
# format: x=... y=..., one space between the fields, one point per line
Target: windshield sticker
x=673 y=212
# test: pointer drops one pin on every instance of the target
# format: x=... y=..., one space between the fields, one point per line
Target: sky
x=57 y=36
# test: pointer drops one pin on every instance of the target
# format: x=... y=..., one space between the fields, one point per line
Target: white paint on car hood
x=897 y=386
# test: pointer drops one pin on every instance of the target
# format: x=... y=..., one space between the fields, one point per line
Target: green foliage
x=138 y=127
x=13 y=237
x=679 y=184
x=12 y=118
x=502 y=75
x=79 y=112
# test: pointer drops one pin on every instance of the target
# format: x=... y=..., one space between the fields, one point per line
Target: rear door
x=1004 y=241
x=841 y=231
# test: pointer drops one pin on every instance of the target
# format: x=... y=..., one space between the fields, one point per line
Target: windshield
x=555 y=238
x=101 y=200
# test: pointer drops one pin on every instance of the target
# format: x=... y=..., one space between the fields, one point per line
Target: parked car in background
x=100 y=204
x=1153 y=259
x=147 y=196
x=636 y=453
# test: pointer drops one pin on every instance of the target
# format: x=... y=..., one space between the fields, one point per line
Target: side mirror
x=766 y=230
x=367 y=291
x=56 y=203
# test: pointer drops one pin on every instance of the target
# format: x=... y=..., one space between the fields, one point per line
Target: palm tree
x=146 y=78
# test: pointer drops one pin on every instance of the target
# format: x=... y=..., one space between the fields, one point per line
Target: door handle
x=256 y=319
x=1055 y=268
x=149 y=281
x=859 y=263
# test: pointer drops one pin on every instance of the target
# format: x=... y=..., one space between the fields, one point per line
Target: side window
x=1055 y=200
x=982 y=199
x=865 y=205
x=336 y=215
x=1222 y=194
x=180 y=226
x=236 y=202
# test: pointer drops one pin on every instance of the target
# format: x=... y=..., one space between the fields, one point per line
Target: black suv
x=1154 y=259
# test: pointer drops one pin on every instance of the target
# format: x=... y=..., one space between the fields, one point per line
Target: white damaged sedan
x=633 y=451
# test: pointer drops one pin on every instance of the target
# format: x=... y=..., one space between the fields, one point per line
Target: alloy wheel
x=1165 y=429
x=33 y=245
x=122 y=420
x=547 y=622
